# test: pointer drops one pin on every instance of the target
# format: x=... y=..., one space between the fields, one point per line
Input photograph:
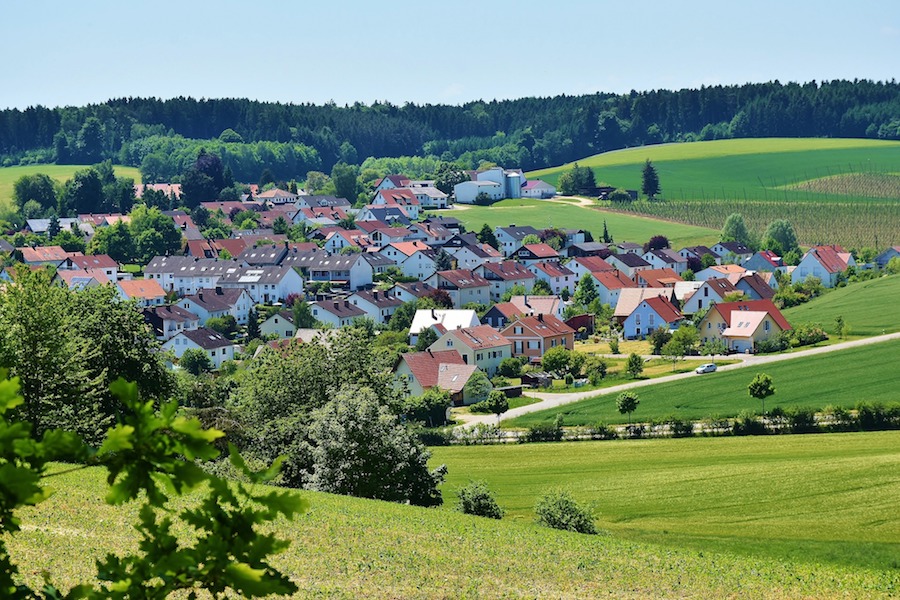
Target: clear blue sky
x=429 y=51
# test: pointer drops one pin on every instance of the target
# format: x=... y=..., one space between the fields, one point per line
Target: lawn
x=61 y=173
x=839 y=378
x=869 y=307
x=351 y=548
x=541 y=214
x=816 y=499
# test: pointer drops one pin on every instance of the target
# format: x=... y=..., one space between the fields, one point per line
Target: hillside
x=9 y=175
x=835 y=190
x=869 y=307
x=352 y=548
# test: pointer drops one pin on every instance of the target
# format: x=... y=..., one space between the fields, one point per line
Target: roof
x=629 y=259
x=147 y=289
x=735 y=247
x=45 y=254
x=593 y=264
x=215 y=300
x=542 y=250
x=744 y=323
x=721 y=286
x=425 y=366
x=287 y=315
x=518 y=233
x=667 y=255
x=409 y=248
x=275 y=193
x=535 y=305
x=339 y=308
x=727 y=309
x=401 y=196
x=397 y=180
x=829 y=257
x=254 y=275
x=665 y=309
x=416 y=288
x=263 y=255
x=79 y=278
x=614 y=280
x=463 y=278
x=658 y=277
x=685 y=289
x=449 y=318
x=700 y=251
x=189 y=266
x=553 y=268
x=631 y=298
x=543 y=325
x=507 y=309
x=206 y=338
x=507 y=270
x=480 y=337
x=378 y=298
x=727 y=269
x=171 y=312
x=758 y=285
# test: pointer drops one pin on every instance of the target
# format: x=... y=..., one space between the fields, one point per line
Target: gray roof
x=519 y=233
x=339 y=308
x=323 y=201
x=216 y=300
x=206 y=338
x=630 y=260
x=263 y=255
x=379 y=260
x=254 y=275
x=189 y=266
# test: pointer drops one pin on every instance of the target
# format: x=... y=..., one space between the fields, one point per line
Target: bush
x=602 y=431
x=747 y=424
x=801 y=420
x=510 y=367
x=560 y=511
x=546 y=433
x=480 y=408
x=679 y=428
x=476 y=499
x=614 y=345
x=840 y=419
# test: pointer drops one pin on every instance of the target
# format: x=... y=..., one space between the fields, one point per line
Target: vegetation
x=560 y=510
x=476 y=499
x=868 y=307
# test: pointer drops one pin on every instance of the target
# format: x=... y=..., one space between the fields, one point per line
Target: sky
x=59 y=53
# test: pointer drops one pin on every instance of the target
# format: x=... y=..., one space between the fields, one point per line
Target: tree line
x=163 y=136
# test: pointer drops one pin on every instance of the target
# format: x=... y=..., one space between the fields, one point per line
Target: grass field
x=351 y=548
x=827 y=498
x=839 y=378
x=766 y=179
x=61 y=173
x=541 y=214
x=869 y=307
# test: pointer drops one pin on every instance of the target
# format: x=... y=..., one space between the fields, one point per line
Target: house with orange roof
x=557 y=275
x=482 y=346
x=649 y=315
x=532 y=253
x=147 y=292
x=610 y=285
x=463 y=285
x=588 y=264
x=657 y=278
x=277 y=196
x=722 y=271
x=532 y=336
x=45 y=255
x=416 y=372
x=399 y=197
x=93 y=262
x=742 y=325
x=825 y=262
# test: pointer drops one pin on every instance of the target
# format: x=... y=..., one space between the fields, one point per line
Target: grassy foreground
x=840 y=378
x=541 y=214
x=60 y=173
x=352 y=548
x=808 y=499
x=869 y=307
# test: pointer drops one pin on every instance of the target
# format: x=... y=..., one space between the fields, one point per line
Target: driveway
x=548 y=400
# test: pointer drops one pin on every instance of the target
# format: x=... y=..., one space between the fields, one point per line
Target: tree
x=83 y=193
x=673 y=351
x=531 y=239
x=780 y=232
x=650 y=180
x=477 y=388
x=280 y=225
x=226 y=325
x=840 y=327
x=497 y=403
x=713 y=347
x=707 y=260
x=657 y=242
x=510 y=367
x=38 y=187
x=195 y=361
x=439 y=298
x=658 y=338
x=360 y=449
x=635 y=365
x=735 y=230
x=253 y=332
x=429 y=408
x=116 y=241
x=688 y=337
x=595 y=369
x=443 y=261
x=483 y=199
x=579 y=180
x=560 y=510
x=344 y=177
x=761 y=388
x=476 y=499
x=541 y=288
x=627 y=402
x=556 y=360
x=53 y=227
x=154 y=233
x=486 y=236
x=586 y=290
x=447 y=176
x=606 y=238
x=426 y=338
x=69 y=241
x=203 y=181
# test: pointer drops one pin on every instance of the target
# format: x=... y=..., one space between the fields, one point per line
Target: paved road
x=548 y=400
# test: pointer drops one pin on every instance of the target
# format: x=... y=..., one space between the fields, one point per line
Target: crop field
x=351 y=548
x=61 y=173
x=868 y=307
x=853 y=202
x=541 y=214
x=840 y=378
x=813 y=499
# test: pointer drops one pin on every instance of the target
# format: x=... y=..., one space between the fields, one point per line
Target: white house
x=504 y=276
x=511 y=238
x=337 y=313
x=214 y=344
x=650 y=315
x=482 y=346
x=219 y=302
x=185 y=274
x=463 y=286
x=169 y=321
x=538 y=189
x=824 y=262
x=467 y=191
x=710 y=291
x=145 y=291
x=441 y=319
x=377 y=304
x=557 y=276
x=732 y=252
x=280 y=324
x=266 y=285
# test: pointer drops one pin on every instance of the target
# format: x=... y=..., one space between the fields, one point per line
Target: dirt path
x=552 y=400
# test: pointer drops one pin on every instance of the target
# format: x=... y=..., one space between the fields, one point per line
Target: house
x=463 y=285
x=386 y=214
x=501 y=314
x=45 y=255
x=884 y=258
x=742 y=325
x=649 y=315
x=441 y=320
x=732 y=252
x=754 y=287
x=277 y=196
x=415 y=259
x=610 y=285
x=430 y=197
x=532 y=336
x=825 y=262
x=410 y=292
x=389 y=235
x=402 y=198
x=539 y=305
x=511 y=238
x=481 y=345
x=764 y=260
x=557 y=276
x=589 y=249
x=337 y=313
x=342 y=238
x=353 y=271
x=628 y=248
x=146 y=292
x=698 y=252
x=169 y=321
x=219 y=302
x=79 y=279
x=467 y=191
x=630 y=299
x=511 y=180
x=311 y=201
x=451 y=223
x=42 y=226
x=443 y=369
x=391 y=182
x=532 y=253
x=710 y=292
x=538 y=189
x=185 y=275
x=266 y=285
x=628 y=262
x=719 y=271
x=214 y=344
x=472 y=256
x=280 y=324
x=504 y=276
x=430 y=233
x=657 y=278
x=664 y=258
x=378 y=305
x=263 y=256
x=588 y=264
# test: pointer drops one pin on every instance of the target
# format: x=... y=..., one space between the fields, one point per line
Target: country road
x=552 y=400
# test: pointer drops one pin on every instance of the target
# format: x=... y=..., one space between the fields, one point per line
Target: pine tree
x=650 y=180
x=253 y=325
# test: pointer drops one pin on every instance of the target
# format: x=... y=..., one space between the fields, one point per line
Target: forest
x=163 y=137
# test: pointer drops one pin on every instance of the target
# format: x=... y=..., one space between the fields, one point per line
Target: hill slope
x=9 y=175
x=869 y=307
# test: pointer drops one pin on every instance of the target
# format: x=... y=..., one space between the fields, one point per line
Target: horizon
x=353 y=51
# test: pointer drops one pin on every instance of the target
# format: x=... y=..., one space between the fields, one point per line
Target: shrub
x=476 y=499
x=602 y=431
x=679 y=428
x=546 y=433
x=614 y=345
x=560 y=511
x=480 y=408
x=510 y=367
x=747 y=424
x=840 y=419
x=801 y=420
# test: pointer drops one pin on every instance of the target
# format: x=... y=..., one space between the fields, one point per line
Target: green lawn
x=869 y=307
x=61 y=173
x=840 y=378
x=817 y=499
x=541 y=214
x=351 y=548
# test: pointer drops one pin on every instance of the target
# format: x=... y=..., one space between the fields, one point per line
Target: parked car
x=707 y=368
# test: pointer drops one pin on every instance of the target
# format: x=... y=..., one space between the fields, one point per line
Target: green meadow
x=60 y=173
x=869 y=307
x=541 y=214
x=839 y=378
x=352 y=548
x=804 y=499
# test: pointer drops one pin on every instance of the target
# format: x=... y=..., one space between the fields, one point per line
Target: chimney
x=346 y=304
x=200 y=296
x=526 y=301
x=433 y=315
x=218 y=290
x=336 y=305
x=541 y=317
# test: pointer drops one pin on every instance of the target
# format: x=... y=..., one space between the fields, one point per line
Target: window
x=517 y=330
x=767 y=326
x=652 y=320
x=637 y=319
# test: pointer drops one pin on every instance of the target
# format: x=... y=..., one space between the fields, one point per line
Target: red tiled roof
x=614 y=280
x=508 y=309
x=425 y=366
x=542 y=325
x=95 y=261
x=45 y=254
x=665 y=309
x=542 y=250
x=828 y=257
x=594 y=264
x=508 y=270
x=658 y=277
x=402 y=196
x=147 y=289
x=726 y=308
x=480 y=337
x=553 y=268
x=463 y=278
